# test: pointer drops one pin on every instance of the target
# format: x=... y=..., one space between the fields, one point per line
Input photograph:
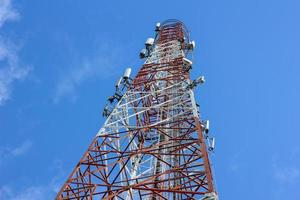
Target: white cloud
x=8 y=75
x=7 y=12
x=10 y=69
x=5 y=191
x=234 y=164
x=12 y=152
x=285 y=170
x=286 y=174
x=30 y=193
x=23 y=148
x=100 y=66
x=47 y=191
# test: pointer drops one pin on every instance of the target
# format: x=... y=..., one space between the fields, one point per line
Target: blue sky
x=59 y=61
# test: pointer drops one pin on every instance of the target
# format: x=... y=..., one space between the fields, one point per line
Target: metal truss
x=151 y=146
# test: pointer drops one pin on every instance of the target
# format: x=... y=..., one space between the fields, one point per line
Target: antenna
x=118 y=83
x=187 y=64
x=157 y=26
x=127 y=73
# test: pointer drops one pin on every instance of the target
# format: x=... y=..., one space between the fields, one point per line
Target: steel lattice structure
x=152 y=145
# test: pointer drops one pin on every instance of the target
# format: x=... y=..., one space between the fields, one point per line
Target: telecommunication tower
x=153 y=144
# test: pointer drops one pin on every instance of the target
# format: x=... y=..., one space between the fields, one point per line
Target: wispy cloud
x=36 y=192
x=10 y=68
x=288 y=174
x=285 y=171
x=12 y=152
x=7 y=12
x=23 y=148
x=30 y=193
x=101 y=65
x=234 y=163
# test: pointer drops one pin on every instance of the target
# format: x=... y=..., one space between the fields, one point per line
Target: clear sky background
x=59 y=61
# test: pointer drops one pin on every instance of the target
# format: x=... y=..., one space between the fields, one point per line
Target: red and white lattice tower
x=152 y=144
